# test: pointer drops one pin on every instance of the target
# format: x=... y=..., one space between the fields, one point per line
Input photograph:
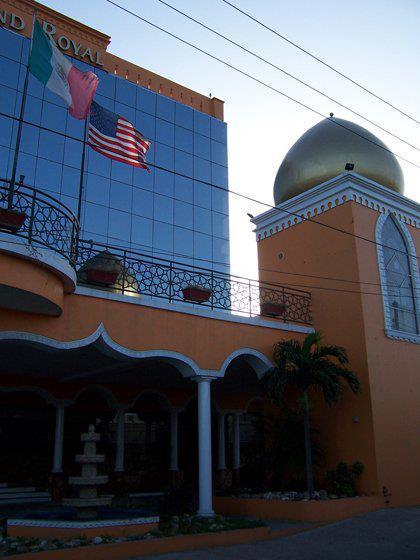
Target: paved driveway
x=392 y=534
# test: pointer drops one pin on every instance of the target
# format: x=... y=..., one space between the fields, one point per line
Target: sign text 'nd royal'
x=64 y=43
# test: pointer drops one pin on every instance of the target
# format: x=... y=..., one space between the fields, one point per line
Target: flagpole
x=20 y=125
x=82 y=169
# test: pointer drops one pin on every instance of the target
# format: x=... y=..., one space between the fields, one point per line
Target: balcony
x=47 y=223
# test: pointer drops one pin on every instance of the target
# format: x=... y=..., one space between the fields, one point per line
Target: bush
x=178 y=500
x=343 y=478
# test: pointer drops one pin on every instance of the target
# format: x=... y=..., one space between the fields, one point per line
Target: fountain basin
x=88 y=480
x=88 y=502
x=54 y=529
x=86 y=459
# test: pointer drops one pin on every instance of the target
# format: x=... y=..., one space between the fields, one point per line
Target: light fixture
x=349 y=166
x=250 y=215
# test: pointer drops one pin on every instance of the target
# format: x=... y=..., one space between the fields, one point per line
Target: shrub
x=343 y=478
x=178 y=500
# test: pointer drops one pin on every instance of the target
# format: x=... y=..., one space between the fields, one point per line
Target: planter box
x=103 y=277
x=273 y=309
x=197 y=294
x=11 y=219
x=137 y=549
x=312 y=511
x=39 y=529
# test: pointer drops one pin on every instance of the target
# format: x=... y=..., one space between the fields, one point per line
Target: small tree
x=306 y=366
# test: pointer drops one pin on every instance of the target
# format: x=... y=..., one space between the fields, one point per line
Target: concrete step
x=26 y=500
x=23 y=495
x=17 y=489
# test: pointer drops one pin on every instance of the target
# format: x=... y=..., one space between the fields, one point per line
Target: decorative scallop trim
x=81 y=524
x=415 y=275
x=337 y=191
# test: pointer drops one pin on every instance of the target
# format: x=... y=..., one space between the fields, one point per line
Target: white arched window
x=399 y=273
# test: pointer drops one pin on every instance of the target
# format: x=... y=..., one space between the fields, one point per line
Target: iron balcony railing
x=45 y=221
x=137 y=273
x=38 y=217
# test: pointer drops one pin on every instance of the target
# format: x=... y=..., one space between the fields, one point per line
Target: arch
x=106 y=393
x=162 y=398
x=257 y=360
x=101 y=339
x=390 y=330
x=254 y=399
x=43 y=393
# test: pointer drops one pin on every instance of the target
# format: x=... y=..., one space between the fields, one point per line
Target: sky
x=375 y=42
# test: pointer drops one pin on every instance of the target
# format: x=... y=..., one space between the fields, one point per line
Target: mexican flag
x=53 y=69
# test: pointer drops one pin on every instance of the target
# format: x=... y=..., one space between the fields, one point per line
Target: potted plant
x=195 y=293
x=104 y=269
x=273 y=309
x=11 y=219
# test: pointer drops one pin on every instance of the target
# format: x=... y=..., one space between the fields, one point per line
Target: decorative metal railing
x=131 y=272
x=45 y=221
x=38 y=217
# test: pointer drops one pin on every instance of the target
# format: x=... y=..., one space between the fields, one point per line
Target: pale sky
x=376 y=42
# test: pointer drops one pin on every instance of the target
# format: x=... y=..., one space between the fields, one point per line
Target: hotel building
x=129 y=319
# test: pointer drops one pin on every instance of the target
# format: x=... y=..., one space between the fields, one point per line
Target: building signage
x=64 y=43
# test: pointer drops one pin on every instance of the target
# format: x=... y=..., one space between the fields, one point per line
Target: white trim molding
x=45 y=258
x=257 y=360
x=101 y=339
x=347 y=187
x=415 y=276
x=191 y=309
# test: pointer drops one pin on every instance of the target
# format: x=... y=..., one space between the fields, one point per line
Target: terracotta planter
x=104 y=268
x=11 y=219
x=197 y=294
x=104 y=277
x=272 y=309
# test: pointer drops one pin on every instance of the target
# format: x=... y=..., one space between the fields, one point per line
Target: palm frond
x=307 y=365
x=337 y=352
x=312 y=339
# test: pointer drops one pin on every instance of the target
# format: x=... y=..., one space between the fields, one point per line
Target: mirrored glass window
x=125 y=92
x=172 y=208
x=184 y=116
x=202 y=220
x=143 y=203
x=165 y=108
x=399 y=281
x=183 y=214
x=142 y=231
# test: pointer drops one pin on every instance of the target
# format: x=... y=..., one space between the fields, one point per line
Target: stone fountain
x=89 y=481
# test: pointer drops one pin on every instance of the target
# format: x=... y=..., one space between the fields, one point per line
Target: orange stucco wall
x=384 y=438
x=394 y=368
x=36 y=281
x=207 y=341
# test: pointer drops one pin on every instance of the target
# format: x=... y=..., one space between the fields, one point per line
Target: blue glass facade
x=172 y=212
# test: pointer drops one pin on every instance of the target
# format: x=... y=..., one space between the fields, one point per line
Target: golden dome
x=322 y=153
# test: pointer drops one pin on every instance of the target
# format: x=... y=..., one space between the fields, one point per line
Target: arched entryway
x=240 y=427
x=147 y=443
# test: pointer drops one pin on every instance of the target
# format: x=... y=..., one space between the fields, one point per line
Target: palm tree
x=306 y=366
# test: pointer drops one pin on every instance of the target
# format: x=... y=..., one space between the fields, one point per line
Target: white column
x=205 y=492
x=119 y=447
x=236 y=441
x=174 y=441
x=221 y=463
x=58 y=439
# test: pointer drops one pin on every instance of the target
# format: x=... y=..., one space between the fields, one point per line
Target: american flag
x=115 y=137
